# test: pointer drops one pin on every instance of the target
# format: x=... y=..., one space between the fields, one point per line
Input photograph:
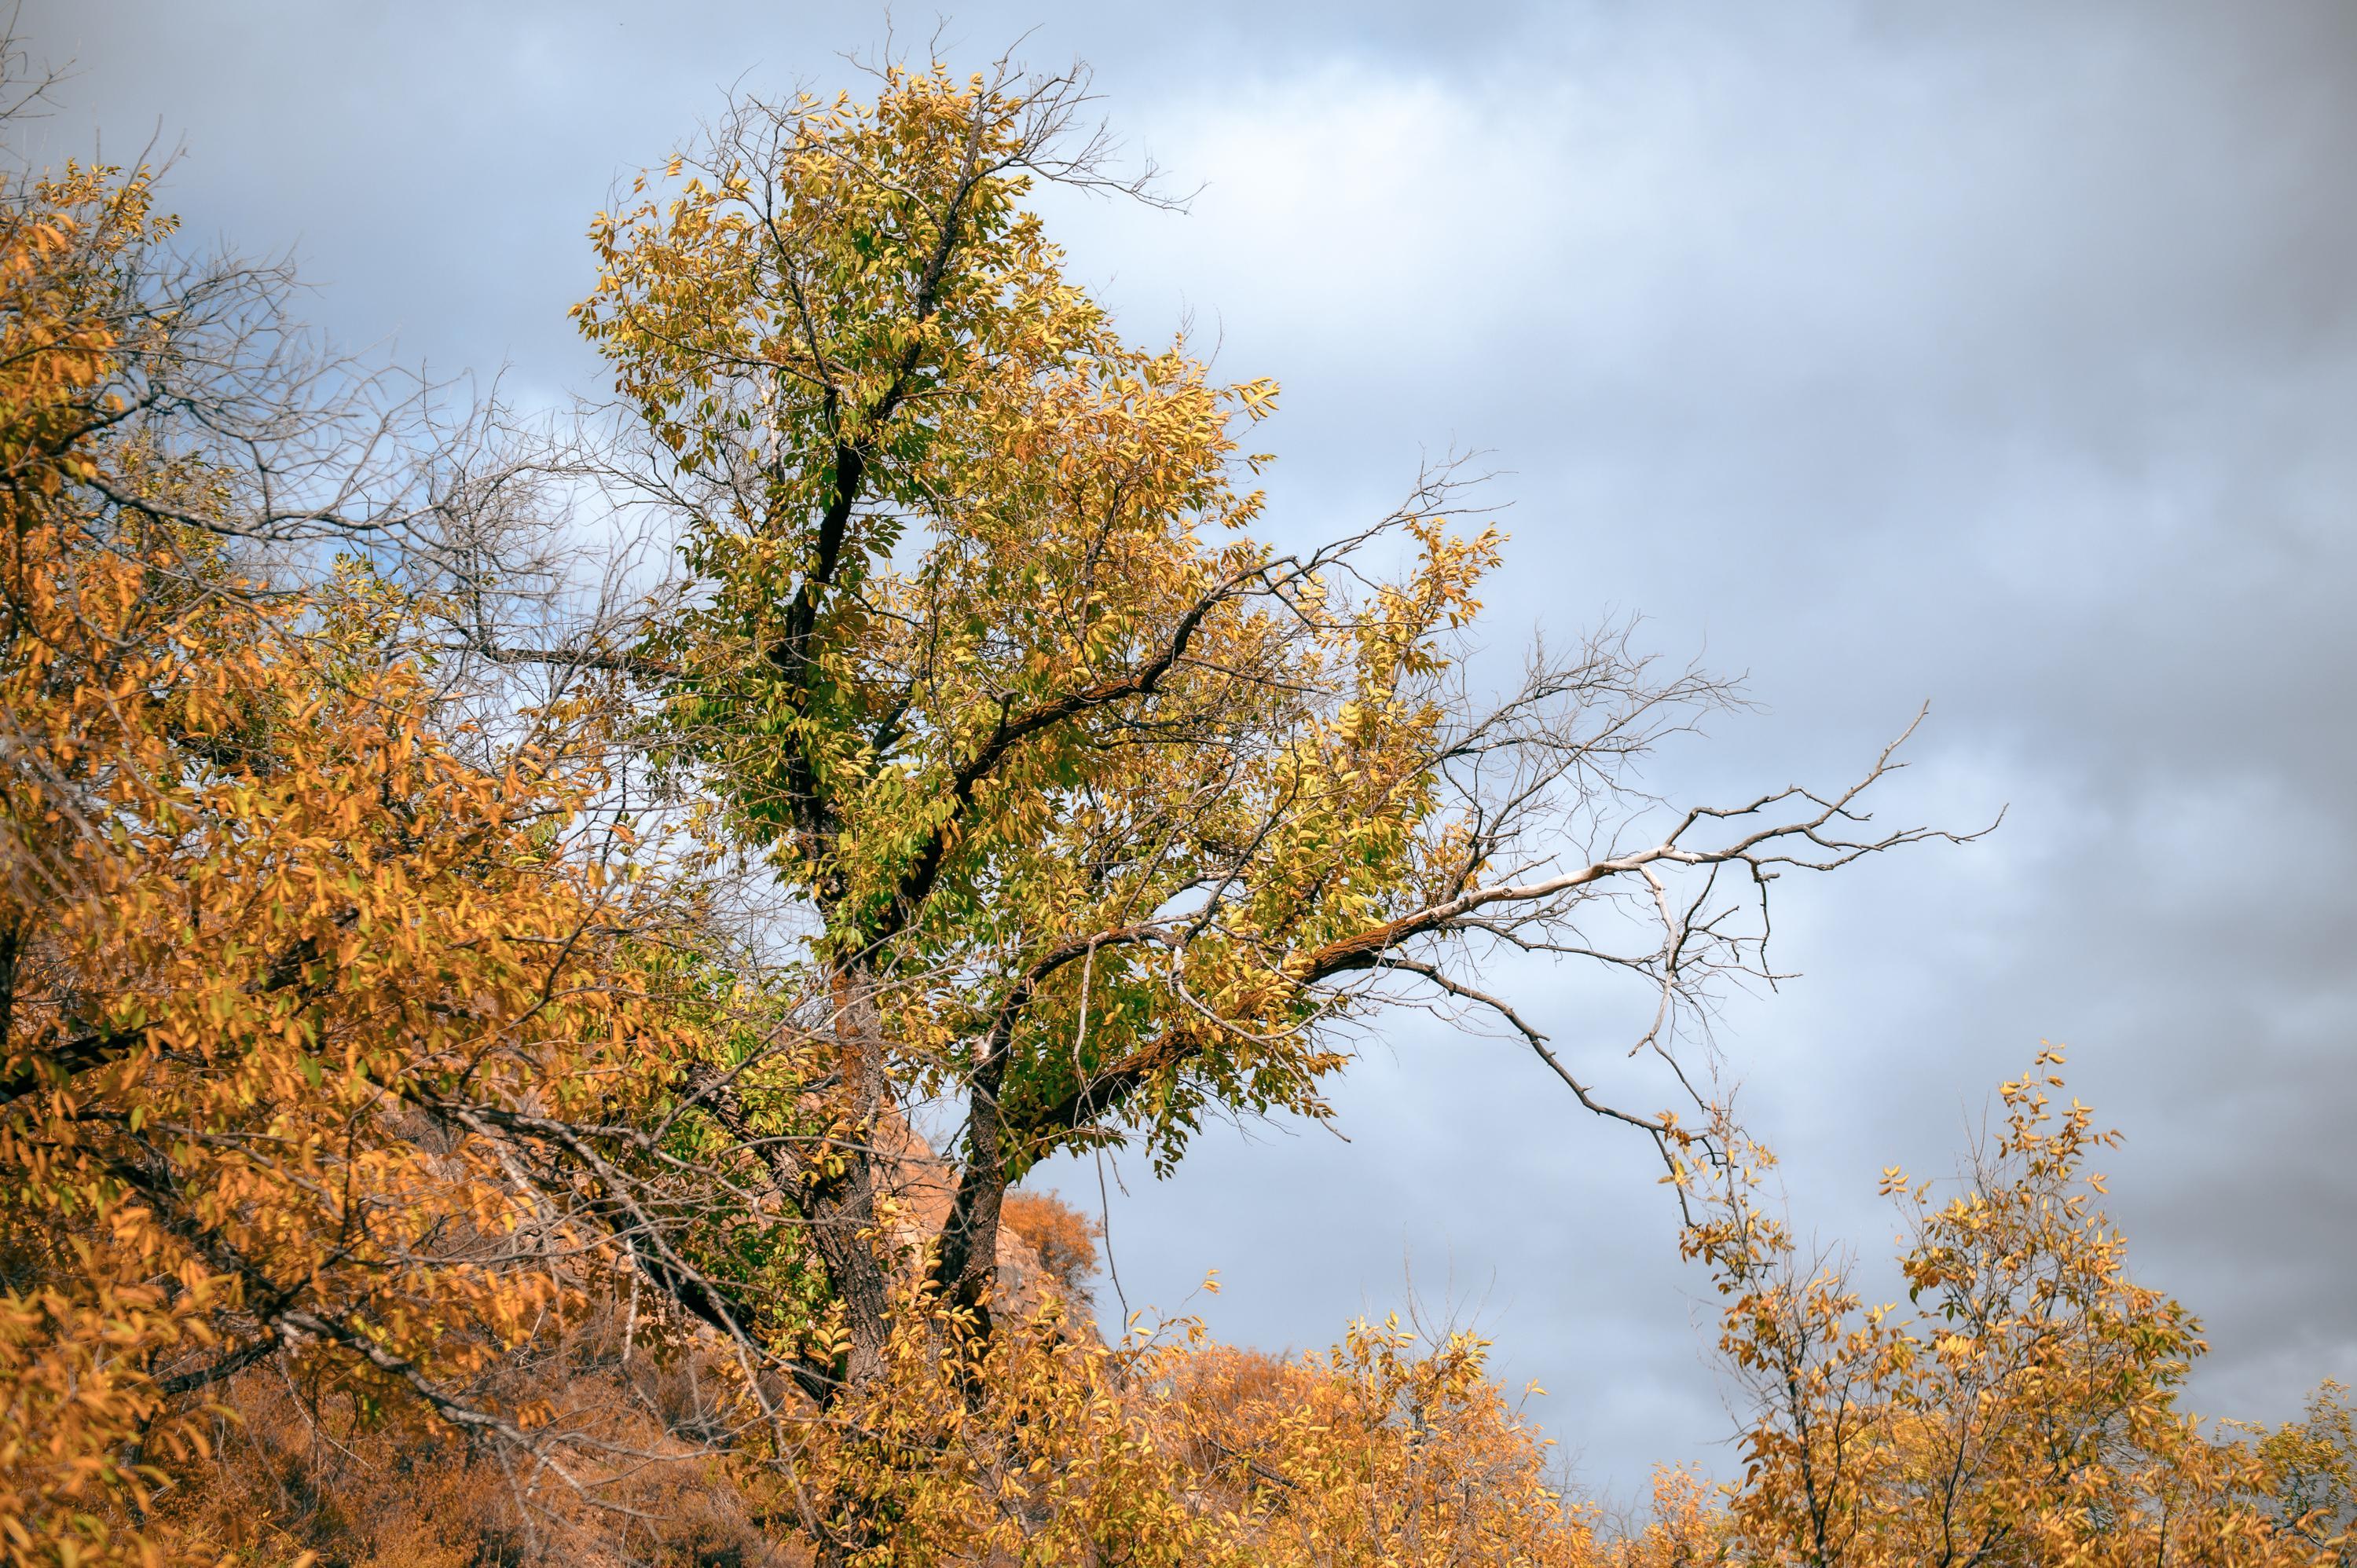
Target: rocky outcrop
x=923 y=1184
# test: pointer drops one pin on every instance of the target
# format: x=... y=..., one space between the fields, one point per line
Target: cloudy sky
x=2002 y=356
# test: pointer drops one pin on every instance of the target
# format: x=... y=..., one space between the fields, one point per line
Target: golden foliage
x=303 y=1468
x=360 y=1067
x=2028 y=1415
x=2311 y=1466
x=259 y=914
x=1065 y=1238
x=1686 y=1527
x=1380 y=1450
x=1046 y=1447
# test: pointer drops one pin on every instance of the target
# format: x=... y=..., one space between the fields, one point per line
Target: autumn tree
x=1393 y=1447
x=1065 y=1238
x=1686 y=1526
x=2026 y=1414
x=282 y=934
x=1096 y=814
x=2311 y=1466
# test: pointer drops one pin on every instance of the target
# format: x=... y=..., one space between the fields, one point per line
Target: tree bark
x=844 y=1214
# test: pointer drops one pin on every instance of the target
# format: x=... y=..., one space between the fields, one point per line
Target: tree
x=267 y=905
x=1065 y=1238
x=2027 y=1416
x=2312 y=1469
x=1097 y=815
x=1390 y=1448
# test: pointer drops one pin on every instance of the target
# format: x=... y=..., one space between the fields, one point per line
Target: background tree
x=1065 y=1238
x=1391 y=1448
x=2313 y=1466
x=2029 y=1415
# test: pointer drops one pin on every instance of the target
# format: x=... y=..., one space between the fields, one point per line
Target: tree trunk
x=967 y=1264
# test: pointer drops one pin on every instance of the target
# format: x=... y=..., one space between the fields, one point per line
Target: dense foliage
x=464 y=1056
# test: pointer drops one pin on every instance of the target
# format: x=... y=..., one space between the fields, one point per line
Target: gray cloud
x=2002 y=355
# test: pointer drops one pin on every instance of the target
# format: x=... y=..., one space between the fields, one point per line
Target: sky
x=2002 y=357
